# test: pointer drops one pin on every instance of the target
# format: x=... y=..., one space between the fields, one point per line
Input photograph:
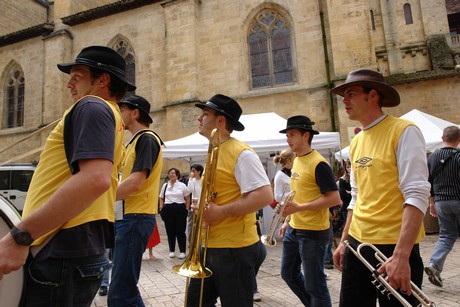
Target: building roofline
x=39 y=30
x=105 y=10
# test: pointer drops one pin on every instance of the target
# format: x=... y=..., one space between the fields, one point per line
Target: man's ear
x=137 y=114
x=104 y=79
x=221 y=121
x=374 y=94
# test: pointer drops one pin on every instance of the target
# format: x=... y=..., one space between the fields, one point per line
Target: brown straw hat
x=372 y=79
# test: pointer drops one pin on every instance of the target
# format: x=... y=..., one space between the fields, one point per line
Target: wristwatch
x=21 y=237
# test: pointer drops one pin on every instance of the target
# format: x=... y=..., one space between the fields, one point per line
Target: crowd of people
x=380 y=199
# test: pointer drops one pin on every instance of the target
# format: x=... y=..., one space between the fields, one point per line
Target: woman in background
x=194 y=187
x=282 y=179
x=174 y=205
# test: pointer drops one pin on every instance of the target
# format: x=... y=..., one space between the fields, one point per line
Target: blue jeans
x=449 y=218
x=328 y=255
x=106 y=276
x=131 y=236
x=231 y=279
x=310 y=287
x=64 y=282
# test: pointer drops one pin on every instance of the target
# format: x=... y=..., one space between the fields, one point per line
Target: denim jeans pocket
x=94 y=269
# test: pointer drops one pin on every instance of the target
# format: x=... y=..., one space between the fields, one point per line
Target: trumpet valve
x=277 y=208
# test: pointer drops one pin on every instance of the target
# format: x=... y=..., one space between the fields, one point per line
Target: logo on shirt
x=364 y=162
x=295 y=176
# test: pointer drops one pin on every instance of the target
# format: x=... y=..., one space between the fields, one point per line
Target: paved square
x=159 y=286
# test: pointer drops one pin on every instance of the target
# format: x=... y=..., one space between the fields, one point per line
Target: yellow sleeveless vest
x=303 y=181
x=377 y=215
x=53 y=171
x=145 y=200
x=232 y=232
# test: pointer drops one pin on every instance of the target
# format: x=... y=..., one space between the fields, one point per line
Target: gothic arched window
x=14 y=102
x=270 y=50
x=126 y=51
x=408 y=14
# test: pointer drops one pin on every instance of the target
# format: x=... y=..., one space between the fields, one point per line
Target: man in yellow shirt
x=307 y=229
x=68 y=213
x=242 y=188
x=390 y=189
x=140 y=178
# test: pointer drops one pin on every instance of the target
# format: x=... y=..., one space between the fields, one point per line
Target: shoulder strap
x=441 y=164
x=140 y=132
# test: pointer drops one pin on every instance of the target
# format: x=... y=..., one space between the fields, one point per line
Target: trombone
x=381 y=282
x=277 y=219
x=192 y=267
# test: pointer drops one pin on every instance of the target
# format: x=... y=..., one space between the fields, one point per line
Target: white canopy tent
x=430 y=126
x=261 y=133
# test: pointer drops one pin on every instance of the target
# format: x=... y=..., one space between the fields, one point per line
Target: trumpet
x=277 y=218
x=381 y=282
x=192 y=267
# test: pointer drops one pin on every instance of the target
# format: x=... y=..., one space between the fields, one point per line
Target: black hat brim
x=66 y=67
x=137 y=107
x=299 y=127
x=237 y=126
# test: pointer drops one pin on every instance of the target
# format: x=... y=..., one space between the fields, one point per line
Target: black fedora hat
x=372 y=79
x=140 y=103
x=227 y=107
x=299 y=122
x=103 y=58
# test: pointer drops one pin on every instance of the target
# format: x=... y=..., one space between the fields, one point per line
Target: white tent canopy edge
x=261 y=133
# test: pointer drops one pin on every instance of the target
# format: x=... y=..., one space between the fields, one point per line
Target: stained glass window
x=270 y=51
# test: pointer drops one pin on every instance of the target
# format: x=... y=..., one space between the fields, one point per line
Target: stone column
x=392 y=37
x=182 y=50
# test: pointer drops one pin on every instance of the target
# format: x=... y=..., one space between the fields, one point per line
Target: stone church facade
x=272 y=56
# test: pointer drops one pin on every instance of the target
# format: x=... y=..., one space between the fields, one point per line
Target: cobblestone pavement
x=159 y=286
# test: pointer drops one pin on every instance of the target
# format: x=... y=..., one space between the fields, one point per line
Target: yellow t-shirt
x=145 y=200
x=377 y=215
x=231 y=232
x=53 y=170
x=303 y=182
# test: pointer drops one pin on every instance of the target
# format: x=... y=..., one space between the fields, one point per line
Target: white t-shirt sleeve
x=249 y=172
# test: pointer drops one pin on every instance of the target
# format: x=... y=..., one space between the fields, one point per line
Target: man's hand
x=212 y=213
x=283 y=228
x=398 y=273
x=338 y=256
x=12 y=255
x=433 y=210
x=290 y=207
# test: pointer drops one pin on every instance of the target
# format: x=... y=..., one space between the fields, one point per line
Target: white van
x=14 y=182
